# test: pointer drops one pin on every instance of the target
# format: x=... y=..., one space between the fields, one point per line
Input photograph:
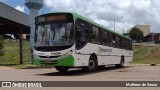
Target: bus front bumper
x=67 y=61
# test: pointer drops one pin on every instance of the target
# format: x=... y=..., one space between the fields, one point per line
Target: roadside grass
x=146 y=54
x=11 y=54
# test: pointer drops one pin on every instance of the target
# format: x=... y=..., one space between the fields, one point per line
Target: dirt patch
x=5 y=68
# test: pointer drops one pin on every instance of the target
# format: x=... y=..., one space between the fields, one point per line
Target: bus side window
x=127 y=45
x=110 y=39
x=94 y=35
x=102 y=35
x=130 y=45
x=123 y=44
x=118 y=42
x=81 y=37
x=114 y=40
x=106 y=34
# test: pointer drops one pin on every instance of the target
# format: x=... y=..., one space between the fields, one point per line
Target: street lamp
x=115 y=21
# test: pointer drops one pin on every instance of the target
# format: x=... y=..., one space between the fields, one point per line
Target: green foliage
x=136 y=34
x=1 y=44
x=11 y=53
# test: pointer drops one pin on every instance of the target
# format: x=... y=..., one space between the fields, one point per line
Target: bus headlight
x=68 y=53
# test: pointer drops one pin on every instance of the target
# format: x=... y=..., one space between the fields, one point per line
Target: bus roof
x=75 y=15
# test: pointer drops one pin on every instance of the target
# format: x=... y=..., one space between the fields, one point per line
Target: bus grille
x=49 y=56
x=52 y=62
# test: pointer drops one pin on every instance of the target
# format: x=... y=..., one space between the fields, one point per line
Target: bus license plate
x=48 y=61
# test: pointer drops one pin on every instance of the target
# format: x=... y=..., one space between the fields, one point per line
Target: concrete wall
x=144 y=28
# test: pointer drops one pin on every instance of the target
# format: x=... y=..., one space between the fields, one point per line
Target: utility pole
x=21 y=46
x=115 y=22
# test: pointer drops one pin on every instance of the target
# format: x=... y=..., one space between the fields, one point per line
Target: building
x=14 y=22
x=148 y=35
x=144 y=28
x=152 y=37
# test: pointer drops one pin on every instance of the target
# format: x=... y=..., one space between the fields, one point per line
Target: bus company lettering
x=102 y=50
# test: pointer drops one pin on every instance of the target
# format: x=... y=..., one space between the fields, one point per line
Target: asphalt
x=130 y=72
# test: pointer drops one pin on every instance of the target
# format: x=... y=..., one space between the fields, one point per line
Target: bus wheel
x=61 y=69
x=92 y=65
x=121 y=65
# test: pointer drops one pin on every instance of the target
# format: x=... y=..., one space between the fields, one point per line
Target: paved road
x=129 y=73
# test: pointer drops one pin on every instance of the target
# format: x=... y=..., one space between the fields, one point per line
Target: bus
x=67 y=40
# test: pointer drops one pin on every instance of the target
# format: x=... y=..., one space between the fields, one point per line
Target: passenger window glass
x=118 y=44
x=127 y=45
x=81 y=37
x=110 y=39
x=123 y=44
x=104 y=39
x=113 y=40
x=130 y=45
x=94 y=37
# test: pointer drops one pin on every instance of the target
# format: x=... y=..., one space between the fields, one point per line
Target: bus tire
x=61 y=69
x=121 y=65
x=92 y=64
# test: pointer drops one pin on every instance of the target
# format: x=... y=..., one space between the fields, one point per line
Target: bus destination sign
x=52 y=18
x=56 y=18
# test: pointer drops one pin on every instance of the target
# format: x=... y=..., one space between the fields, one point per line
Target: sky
x=126 y=13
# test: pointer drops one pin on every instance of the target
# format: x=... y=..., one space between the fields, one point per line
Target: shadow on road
x=80 y=72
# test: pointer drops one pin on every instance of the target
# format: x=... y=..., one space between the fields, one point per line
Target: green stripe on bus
x=68 y=61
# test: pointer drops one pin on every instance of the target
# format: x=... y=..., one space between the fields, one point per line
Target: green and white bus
x=67 y=40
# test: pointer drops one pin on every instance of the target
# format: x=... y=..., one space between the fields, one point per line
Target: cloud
x=20 y=8
x=105 y=11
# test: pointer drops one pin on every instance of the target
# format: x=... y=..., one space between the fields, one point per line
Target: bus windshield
x=54 y=34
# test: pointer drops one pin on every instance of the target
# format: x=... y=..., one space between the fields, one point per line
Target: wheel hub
x=91 y=64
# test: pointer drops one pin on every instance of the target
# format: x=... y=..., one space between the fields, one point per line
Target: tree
x=1 y=44
x=136 y=34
